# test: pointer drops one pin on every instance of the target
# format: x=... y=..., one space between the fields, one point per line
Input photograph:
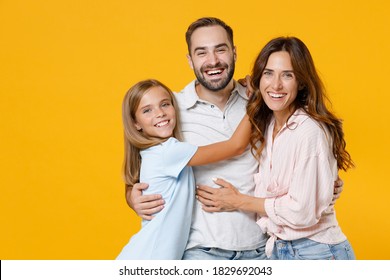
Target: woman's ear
x=301 y=86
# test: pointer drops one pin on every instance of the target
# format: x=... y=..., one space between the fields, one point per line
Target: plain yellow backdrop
x=66 y=65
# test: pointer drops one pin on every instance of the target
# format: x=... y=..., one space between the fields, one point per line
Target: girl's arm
x=235 y=146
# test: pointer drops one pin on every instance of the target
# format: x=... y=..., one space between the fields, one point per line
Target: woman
x=302 y=148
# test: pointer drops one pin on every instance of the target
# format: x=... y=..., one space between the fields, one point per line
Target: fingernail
x=214 y=179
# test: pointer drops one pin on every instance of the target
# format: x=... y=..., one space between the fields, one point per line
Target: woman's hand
x=222 y=199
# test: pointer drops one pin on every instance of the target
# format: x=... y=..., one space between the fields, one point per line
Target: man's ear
x=235 y=53
x=189 y=59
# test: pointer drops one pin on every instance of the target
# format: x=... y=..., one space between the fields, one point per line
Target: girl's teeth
x=161 y=124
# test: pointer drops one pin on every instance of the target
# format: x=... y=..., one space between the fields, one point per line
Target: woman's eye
x=267 y=73
x=288 y=75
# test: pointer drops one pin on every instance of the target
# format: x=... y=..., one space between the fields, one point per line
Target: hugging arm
x=228 y=198
x=145 y=206
x=235 y=146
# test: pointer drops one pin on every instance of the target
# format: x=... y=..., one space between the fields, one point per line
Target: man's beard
x=212 y=85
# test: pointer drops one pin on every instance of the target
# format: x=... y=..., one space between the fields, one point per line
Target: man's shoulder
x=187 y=96
x=240 y=89
x=188 y=89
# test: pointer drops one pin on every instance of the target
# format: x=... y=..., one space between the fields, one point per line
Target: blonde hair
x=136 y=140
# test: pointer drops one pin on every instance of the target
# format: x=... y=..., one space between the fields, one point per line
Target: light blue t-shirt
x=165 y=169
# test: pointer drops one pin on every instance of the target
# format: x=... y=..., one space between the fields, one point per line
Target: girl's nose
x=160 y=113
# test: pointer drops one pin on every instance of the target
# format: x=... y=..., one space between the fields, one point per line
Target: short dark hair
x=205 y=22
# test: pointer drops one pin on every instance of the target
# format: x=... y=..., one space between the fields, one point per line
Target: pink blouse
x=296 y=174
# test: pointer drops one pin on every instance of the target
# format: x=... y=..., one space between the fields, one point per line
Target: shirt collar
x=296 y=119
x=192 y=97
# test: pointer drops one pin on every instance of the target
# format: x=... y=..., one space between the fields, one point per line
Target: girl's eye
x=145 y=111
x=166 y=104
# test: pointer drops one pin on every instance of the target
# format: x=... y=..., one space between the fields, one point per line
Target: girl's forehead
x=157 y=91
x=154 y=96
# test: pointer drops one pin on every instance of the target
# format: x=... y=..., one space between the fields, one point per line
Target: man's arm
x=338 y=188
x=144 y=205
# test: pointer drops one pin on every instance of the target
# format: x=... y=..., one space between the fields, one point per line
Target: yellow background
x=66 y=65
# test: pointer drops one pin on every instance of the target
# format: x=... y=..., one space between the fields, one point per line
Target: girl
x=302 y=148
x=154 y=154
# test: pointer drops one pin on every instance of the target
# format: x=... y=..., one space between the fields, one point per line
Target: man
x=211 y=108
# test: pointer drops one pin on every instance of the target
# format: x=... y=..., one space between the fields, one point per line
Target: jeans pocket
x=343 y=251
x=314 y=251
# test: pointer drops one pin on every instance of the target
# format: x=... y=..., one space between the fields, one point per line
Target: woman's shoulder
x=307 y=122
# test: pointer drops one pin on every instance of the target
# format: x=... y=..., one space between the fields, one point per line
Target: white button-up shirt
x=204 y=123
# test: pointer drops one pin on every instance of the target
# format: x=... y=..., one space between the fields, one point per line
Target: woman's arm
x=228 y=198
x=309 y=195
x=235 y=146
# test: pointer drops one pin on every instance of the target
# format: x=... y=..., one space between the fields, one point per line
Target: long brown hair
x=135 y=140
x=311 y=97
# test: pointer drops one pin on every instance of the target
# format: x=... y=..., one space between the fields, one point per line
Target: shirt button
x=212 y=106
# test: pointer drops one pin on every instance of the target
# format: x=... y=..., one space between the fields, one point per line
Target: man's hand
x=144 y=205
x=338 y=188
x=223 y=199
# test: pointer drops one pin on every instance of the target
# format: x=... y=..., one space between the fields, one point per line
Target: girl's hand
x=144 y=205
x=246 y=82
x=223 y=199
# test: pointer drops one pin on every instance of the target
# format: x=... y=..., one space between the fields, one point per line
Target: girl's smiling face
x=155 y=115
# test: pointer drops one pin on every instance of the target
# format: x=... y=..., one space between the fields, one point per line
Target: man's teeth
x=160 y=124
x=214 y=72
x=277 y=95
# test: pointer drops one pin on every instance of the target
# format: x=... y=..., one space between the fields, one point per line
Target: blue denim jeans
x=205 y=253
x=306 y=249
